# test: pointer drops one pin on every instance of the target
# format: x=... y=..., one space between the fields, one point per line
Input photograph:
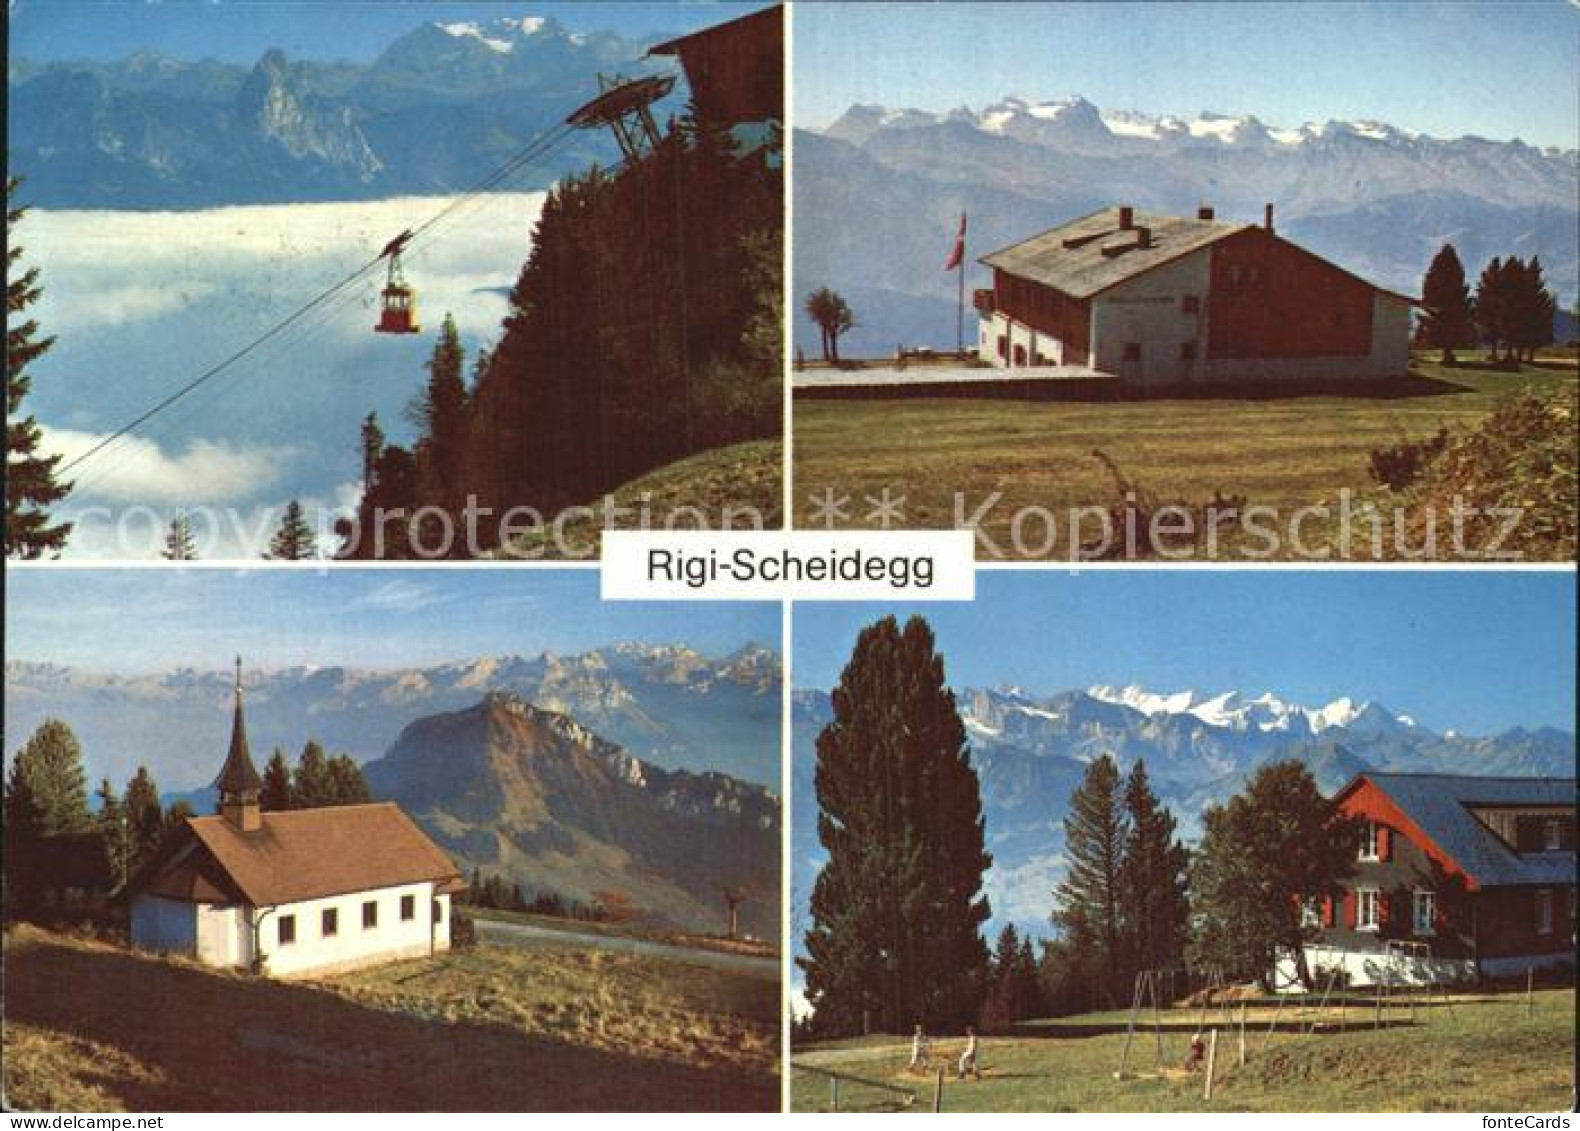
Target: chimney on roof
x=1204 y=212
x=1127 y=217
x=1267 y=217
x=238 y=783
x=1143 y=236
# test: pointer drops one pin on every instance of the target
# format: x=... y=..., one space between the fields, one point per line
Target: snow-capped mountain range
x=667 y=704
x=1073 y=117
x=878 y=194
x=1266 y=712
x=1031 y=752
x=440 y=107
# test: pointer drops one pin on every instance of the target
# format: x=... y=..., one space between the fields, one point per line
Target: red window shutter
x=1327 y=911
x=1349 y=909
x=1384 y=842
x=1384 y=907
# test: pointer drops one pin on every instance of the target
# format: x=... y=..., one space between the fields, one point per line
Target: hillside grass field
x=737 y=480
x=1286 y=452
x=1483 y=1054
x=94 y=1027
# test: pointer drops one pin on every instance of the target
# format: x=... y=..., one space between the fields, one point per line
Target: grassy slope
x=1286 y=453
x=94 y=1027
x=737 y=477
x=1484 y=1056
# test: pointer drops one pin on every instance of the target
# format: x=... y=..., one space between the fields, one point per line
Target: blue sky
x=151 y=620
x=1478 y=652
x=322 y=29
x=1499 y=70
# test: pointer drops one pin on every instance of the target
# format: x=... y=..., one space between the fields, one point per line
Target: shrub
x=463 y=931
x=1399 y=466
x=1522 y=457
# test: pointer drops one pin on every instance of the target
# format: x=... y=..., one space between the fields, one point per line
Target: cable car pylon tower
x=625 y=108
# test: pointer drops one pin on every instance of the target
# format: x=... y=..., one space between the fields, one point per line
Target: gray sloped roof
x=1440 y=804
x=1084 y=270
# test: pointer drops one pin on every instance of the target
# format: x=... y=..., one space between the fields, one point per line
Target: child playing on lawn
x=968 y=1059
x=919 y=1051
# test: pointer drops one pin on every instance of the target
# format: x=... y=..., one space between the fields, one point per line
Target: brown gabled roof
x=1072 y=257
x=307 y=854
x=1093 y=254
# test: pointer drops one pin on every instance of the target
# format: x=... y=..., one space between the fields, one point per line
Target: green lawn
x=1287 y=452
x=1485 y=1054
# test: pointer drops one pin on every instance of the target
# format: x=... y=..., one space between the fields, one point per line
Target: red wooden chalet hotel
x=1172 y=300
x=1457 y=878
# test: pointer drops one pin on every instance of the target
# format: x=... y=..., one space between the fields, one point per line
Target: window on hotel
x=287 y=930
x=438 y=911
x=1369 y=841
x=1423 y=912
x=1368 y=908
x=1311 y=913
x=329 y=925
x=408 y=908
x=1553 y=835
x=1544 y=912
x=370 y=915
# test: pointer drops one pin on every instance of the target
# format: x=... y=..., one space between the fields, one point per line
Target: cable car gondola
x=398 y=314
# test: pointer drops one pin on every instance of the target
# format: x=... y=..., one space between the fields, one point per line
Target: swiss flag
x=959 y=253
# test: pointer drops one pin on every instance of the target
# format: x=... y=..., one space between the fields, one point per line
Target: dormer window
x=1369 y=841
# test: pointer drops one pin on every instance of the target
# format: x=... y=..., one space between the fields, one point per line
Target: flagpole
x=960 y=311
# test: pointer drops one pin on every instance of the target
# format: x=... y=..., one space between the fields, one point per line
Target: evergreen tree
x=179 y=544
x=1447 y=321
x=897 y=910
x=276 y=796
x=1087 y=904
x=346 y=783
x=1029 y=987
x=1153 y=877
x=178 y=812
x=46 y=789
x=439 y=414
x=1491 y=308
x=145 y=817
x=111 y=820
x=1531 y=308
x=1003 y=1005
x=372 y=449
x=31 y=487
x=311 y=787
x=294 y=540
x=1265 y=853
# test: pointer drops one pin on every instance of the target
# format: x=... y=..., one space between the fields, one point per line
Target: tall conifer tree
x=897 y=910
x=1153 y=907
x=276 y=793
x=145 y=817
x=31 y=486
x=1086 y=904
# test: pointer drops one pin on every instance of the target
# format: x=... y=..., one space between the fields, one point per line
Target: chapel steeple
x=238 y=783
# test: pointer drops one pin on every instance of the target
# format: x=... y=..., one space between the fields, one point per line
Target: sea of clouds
x=140 y=303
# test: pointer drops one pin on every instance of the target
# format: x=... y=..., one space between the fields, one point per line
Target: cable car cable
x=540 y=146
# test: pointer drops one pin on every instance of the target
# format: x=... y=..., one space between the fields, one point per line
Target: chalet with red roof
x=1457 y=878
x=1168 y=300
x=308 y=891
